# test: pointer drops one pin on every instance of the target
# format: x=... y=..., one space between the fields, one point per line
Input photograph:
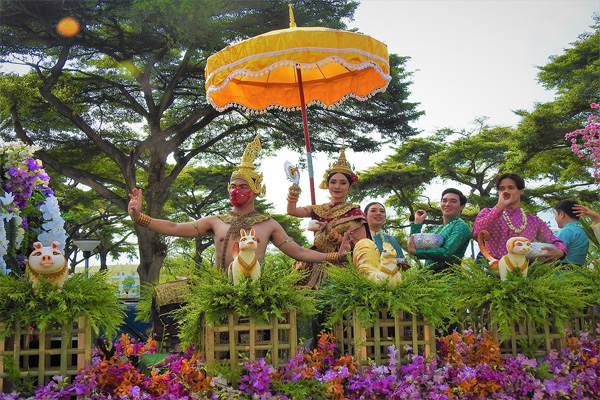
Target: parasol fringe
x=255 y=74
x=297 y=108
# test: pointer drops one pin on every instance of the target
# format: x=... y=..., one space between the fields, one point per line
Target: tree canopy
x=536 y=149
x=122 y=104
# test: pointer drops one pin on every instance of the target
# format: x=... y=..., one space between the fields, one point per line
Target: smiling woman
x=376 y=216
x=332 y=220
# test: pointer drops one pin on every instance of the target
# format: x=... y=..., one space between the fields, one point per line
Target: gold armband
x=142 y=219
x=332 y=257
x=195 y=225
x=287 y=240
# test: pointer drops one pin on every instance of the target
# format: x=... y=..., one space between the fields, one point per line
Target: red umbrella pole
x=311 y=178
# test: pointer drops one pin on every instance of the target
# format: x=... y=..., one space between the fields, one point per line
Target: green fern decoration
x=420 y=291
x=213 y=297
x=92 y=297
x=549 y=294
x=588 y=279
x=144 y=305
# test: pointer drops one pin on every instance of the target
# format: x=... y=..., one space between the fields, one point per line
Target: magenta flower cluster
x=466 y=367
x=586 y=142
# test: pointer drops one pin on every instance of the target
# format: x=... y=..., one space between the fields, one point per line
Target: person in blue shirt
x=375 y=213
x=571 y=232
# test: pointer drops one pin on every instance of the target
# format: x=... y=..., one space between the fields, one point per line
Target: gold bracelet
x=332 y=257
x=291 y=200
x=142 y=220
x=295 y=190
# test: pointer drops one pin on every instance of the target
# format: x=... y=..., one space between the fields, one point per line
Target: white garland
x=53 y=225
x=3 y=247
x=5 y=217
x=510 y=224
x=12 y=154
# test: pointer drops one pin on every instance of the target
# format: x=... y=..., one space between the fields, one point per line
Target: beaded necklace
x=238 y=221
x=510 y=224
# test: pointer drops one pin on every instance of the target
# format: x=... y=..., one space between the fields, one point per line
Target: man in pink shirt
x=507 y=220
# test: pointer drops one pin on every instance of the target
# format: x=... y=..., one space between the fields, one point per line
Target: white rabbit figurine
x=244 y=262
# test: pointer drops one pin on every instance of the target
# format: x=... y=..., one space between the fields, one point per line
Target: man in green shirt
x=455 y=231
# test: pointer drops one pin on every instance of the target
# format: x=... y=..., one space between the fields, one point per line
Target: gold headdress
x=341 y=165
x=247 y=170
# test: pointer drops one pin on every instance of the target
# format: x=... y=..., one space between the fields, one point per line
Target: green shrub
x=420 y=291
x=92 y=297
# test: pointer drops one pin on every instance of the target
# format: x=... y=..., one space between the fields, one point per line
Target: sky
x=469 y=59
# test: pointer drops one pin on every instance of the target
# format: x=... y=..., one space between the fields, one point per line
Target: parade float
x=48 y=320
x=463 y=335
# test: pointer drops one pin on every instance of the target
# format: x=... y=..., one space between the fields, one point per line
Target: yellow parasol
x=290 y=69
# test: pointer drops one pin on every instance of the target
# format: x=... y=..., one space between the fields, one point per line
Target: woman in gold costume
x=330 y=220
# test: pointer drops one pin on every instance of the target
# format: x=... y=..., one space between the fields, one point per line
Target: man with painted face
x=245 y=185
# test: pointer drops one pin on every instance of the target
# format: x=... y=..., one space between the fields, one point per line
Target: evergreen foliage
x=129 y=92
x=589 y=280
x=549 y=294
x=420 y=291
x=213 y=297
x=92 y=297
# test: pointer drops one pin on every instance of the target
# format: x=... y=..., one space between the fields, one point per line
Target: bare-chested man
x=245 y=186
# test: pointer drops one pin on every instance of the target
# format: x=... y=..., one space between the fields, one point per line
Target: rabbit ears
x=243 y=232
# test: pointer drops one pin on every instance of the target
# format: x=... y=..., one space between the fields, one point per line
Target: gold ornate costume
x=340 y=218
x=246 y=171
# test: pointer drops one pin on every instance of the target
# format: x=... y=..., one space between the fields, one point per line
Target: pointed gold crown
x=341 y=165
x=247 y=170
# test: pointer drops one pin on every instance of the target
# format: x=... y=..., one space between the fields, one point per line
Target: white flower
x=4 y=215
x=7 y=199
x=60 y=236
x=20 y=234
x=53 y=224
x=12 y=153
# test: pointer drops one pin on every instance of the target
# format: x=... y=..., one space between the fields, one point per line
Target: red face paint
x=238 y=197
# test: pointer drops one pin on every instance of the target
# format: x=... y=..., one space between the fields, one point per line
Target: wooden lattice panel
x=586 y=322
x=371 y=343
x=526 y=339
x=241 y=338
x=42 y=353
